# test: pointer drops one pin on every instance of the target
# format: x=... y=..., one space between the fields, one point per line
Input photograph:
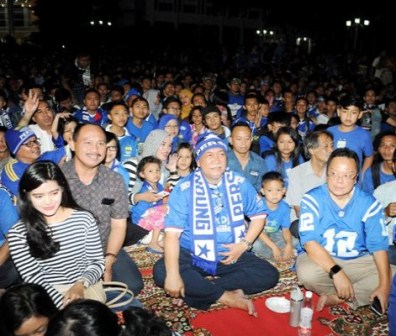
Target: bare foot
x=328 y=300
x=236 y=299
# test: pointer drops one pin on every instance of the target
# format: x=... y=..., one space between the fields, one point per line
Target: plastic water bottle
x=306 y=314
x=296 y=301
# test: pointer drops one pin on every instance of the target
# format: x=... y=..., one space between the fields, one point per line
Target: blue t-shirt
x=277 y=219
x=368 y=184
x=266 y=144
x=347 y=233
x=272 y=165
x=359 y=140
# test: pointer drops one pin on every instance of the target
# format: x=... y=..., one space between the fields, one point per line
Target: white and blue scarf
x=203 y=221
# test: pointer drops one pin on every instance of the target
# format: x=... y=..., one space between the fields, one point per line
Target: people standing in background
x=78 y=77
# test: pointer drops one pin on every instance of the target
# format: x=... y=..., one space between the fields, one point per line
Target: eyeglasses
x=112 y=148
x=32 y=143
x=344 y=177
x=172 y=126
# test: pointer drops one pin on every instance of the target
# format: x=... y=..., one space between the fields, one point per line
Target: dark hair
x=41 y=244
x=294 y=156
x=63 y=122
x=279 y=117
x=195 y=108
x=348 y=100
x=139 y=321
x=344 y=152
x=111 y=136
x=378 y=159
x=311 y=141
x=146 y=160
x=22 y=302
x=62 y=94
x=272 y=176
x=186 y=145
x=241 y=123
x=84 y=317
x=115 y=103
x=3 y=129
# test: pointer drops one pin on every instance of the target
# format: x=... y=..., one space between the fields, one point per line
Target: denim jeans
x=9 y=275
x=392 y=254
x=126 y=271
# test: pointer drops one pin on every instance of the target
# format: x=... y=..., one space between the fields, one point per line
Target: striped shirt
x=80 y=254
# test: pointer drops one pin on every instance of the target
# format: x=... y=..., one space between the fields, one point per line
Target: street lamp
x=305 y=40
x=265 y=34
x=357 y=24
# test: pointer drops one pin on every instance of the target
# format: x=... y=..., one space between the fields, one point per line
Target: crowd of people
x=222 y=176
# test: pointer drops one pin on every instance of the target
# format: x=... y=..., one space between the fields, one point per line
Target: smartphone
x=375 y=306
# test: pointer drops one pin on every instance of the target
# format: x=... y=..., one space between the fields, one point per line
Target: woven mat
x=178 y=318
x=343 y=322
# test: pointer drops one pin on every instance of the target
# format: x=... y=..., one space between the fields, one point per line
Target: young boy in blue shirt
x=275 y=241
x=349 y=135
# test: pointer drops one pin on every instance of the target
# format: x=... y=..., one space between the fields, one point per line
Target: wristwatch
x=85 y=282
x=334 y=270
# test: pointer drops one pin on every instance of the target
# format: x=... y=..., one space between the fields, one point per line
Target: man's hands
x=235 y=250
x=174 y=286
x=343 y=286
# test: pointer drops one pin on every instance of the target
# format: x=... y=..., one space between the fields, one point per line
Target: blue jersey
x=14 y=169
x=128 y=147
x=277 y=219
x=359 y=140
x=99 y=118
x=140 y=133
x=9 y=211
x=180 y=200
x=346 y=233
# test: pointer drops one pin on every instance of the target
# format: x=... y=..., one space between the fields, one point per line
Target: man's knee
x=294 y=229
